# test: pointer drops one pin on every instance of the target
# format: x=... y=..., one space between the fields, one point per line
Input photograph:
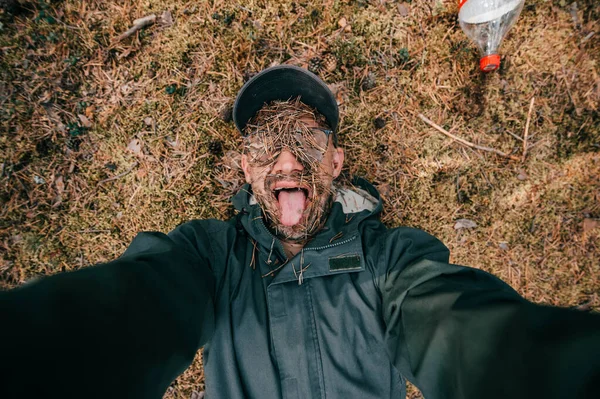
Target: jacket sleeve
x=458 y=332
x=123 y=329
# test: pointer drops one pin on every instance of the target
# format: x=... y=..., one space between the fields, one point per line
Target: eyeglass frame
x=327 y=132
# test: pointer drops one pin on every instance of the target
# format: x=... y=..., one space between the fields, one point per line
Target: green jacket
x=358 y=310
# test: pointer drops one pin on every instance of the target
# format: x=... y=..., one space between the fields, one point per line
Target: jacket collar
x=353 y=204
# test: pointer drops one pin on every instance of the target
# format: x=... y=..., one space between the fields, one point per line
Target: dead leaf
x=85 y=121
x=403 y=9
x=584 y=307
x=339 y=90
x=89 y=111
x=343 y=22
x=59 y=184
x=126 y=89
x=135 y=146
x=46 y=97
x=197 y=395
x=464 y=224
x=590 y=224
x=148 y=121
x=16 y=239
x=166 y=18
x=223 y=183
x=233 y=160
x=57 y=201
x=384 y=189
x=54 y=116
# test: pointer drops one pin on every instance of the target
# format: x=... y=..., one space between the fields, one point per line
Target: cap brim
x=283 y=82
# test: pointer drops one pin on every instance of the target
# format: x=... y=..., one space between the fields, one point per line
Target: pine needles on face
x=281 y=126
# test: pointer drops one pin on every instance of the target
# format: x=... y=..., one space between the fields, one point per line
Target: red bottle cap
x=489 y=63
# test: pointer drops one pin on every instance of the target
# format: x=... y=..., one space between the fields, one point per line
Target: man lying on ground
x=303 y=294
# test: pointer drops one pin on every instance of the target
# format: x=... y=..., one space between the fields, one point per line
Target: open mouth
x=292 y=201
x=277 y=191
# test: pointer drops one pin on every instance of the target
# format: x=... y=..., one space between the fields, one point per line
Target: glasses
x=308 y=146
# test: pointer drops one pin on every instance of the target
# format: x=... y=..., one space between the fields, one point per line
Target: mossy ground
x=72 y=100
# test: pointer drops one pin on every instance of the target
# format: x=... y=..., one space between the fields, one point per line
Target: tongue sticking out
x=291 y=204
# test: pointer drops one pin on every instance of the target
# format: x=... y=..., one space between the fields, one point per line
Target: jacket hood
x=353 y=203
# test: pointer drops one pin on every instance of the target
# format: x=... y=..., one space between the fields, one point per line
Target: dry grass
x=148 y=152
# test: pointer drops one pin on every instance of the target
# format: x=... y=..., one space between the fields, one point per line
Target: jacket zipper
x=306 y=249
x=330 y=245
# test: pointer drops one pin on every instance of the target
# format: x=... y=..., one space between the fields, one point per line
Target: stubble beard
x=313 y=218
x=312 y=221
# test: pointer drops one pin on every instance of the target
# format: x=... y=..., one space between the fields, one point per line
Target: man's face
x=292 y=182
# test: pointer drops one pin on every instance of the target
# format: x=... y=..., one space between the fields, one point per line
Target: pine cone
x=379 y=123
x=215 y=147
x=73 y=143
x=315 y=65
x=329 y=62
x=226 y=113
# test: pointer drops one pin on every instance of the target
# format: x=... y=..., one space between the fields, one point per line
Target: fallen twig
x=128 y=171
x=137 y=25
x=588 y=37
x=526 y=134
x=514 y=135
x=465 y=142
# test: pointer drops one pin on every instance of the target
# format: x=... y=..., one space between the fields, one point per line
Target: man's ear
x=338 y=161
x=245 y=168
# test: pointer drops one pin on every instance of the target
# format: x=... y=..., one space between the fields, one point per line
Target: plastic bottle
x=486 y=22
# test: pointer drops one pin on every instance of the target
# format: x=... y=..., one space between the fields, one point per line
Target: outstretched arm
x=458 y=332
x=121 y=329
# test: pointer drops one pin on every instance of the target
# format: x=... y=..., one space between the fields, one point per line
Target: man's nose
x=286 y=163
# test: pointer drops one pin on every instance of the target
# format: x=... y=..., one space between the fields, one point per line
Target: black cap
x=283 y=82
